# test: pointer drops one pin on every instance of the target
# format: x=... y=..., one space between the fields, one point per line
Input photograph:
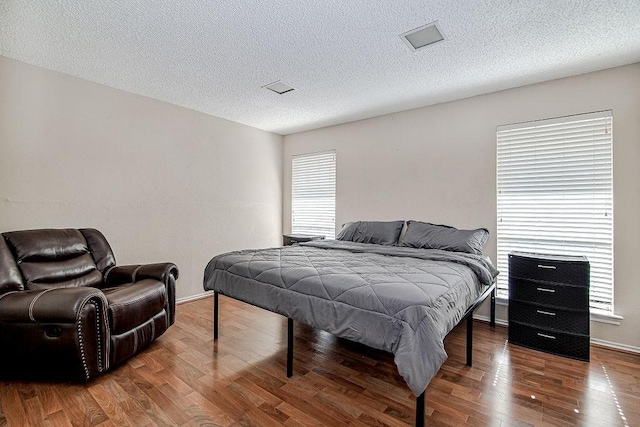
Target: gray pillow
x=377 y=232
x=432 y=236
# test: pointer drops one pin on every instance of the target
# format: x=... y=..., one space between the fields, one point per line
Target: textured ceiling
x=343 y=57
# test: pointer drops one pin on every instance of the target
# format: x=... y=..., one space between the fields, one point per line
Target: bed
x=402 y=294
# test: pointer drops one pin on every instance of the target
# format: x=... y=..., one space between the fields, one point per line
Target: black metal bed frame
x=468 y=315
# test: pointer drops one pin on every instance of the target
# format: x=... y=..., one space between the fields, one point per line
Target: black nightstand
x=549 y=303
x=290 y=239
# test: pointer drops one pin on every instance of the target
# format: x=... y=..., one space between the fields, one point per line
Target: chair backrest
x=53 y=258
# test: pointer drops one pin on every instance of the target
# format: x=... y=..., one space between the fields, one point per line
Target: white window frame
x=555 y=196
x=313 y=194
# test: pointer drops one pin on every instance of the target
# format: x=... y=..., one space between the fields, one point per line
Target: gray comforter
x=401 y=300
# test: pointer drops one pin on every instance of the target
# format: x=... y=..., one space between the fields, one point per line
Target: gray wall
x=163 y=183
x=438 y=164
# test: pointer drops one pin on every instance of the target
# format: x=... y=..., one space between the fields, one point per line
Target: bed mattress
x=402 y=300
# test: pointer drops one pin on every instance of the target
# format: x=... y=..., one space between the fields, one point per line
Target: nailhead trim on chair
x=95 y=304
x=82 y=355
x=81 y=338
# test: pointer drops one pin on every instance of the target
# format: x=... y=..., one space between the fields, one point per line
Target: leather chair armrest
x=57 y=333
x=165 y=272
x=55 y=305
x=121 y=274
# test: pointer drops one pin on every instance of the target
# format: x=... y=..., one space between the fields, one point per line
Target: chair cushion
x=53 y=258
x=132 y=304
x=10 y=277
x=99 y=248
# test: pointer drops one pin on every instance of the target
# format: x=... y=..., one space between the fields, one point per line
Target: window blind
x=313 y=198
x=555 y=195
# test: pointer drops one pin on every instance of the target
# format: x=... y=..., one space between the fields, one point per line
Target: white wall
x=438 y=164
x=163 y=183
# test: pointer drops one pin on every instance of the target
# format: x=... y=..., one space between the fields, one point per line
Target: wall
x=163 y=183
x=438 y=164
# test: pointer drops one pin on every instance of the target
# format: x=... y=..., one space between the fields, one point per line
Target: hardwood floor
x=187 y=379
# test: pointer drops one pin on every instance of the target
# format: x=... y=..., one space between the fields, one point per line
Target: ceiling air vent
x=424 y=36
x=278 y=87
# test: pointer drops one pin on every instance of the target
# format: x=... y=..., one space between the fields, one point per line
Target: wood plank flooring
x=187 y=379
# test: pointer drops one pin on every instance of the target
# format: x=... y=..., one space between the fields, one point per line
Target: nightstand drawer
x=563 y=344
x=549 y=294
x=549 y=318
x=551 y=269
x=291 y=239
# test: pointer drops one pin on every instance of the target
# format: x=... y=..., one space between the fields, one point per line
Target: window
x=555 y=195
x=313 y=194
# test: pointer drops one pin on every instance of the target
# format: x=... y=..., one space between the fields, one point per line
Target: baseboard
x=488 y=320
x=194 y=297
x=615 y=346
x=594 y=341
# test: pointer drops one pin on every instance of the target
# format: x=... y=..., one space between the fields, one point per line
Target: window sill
x=596 y=316
x=605 y=317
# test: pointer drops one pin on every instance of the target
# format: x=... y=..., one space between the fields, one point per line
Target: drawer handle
x=548 y=313
x=553 y=291
x=550 y=267
x=551 y=337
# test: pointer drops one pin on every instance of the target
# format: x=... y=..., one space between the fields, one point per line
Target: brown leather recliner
x=67 y=311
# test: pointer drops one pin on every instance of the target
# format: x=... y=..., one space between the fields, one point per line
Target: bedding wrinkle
x=401 y=300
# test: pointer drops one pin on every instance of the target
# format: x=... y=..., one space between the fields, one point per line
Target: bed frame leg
x=289 y=347
x=493 y=308
x=215 y=315
x=470 y=339
x=420 y=410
